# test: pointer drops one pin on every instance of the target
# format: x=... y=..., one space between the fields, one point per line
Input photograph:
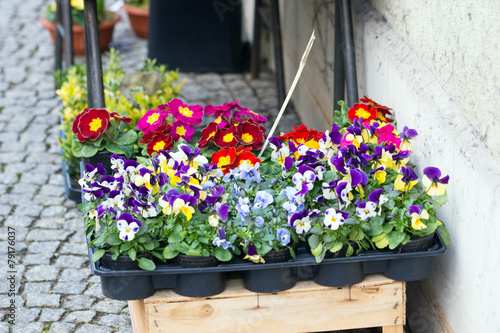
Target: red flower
x=118 y=117
x=162 y=130
x=226 y=138
x=208 y=134
x=248 y=133
x=244 y=154
x=364 y=111
x=301 y=135
x=382 y=111
x=162 y=141
x=224 y=159
x=90 y=124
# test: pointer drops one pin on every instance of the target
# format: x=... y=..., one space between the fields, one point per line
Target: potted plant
x=121 y=95
x=107 y=21
x=138 y=14
x=358 y=183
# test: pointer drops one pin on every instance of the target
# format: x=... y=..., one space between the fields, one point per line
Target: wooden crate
x=308 y=307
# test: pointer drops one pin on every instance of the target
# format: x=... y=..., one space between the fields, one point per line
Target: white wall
x=441 y=79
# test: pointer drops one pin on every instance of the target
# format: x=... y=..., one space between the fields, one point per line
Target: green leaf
x=350 y=251
x=146 y=264
x=313 y=241
x=441 y=200
x=175 y=238
x=125 y=247
x=168 y=253
x=114 y=148
x=126 y=138
x=113 y=240
x=132 y=253
x=98 y=255
x=445 y=234
x=149 y=246
x=221 y=254
x=336 y=246
x=395 y=238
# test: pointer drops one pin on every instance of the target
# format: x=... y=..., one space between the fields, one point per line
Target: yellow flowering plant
x=126 y=100
x=77 y=7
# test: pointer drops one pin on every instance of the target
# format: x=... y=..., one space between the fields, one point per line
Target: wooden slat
x=137 y=316
x=308 y=307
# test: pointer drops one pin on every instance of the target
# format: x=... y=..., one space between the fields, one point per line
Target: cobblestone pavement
x=54 y=289
x=50 y=283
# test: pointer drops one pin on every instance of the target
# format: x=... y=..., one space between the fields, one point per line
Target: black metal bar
x=67 y=23
x=338 y=69
x=58 y=38
x=264 y=18
x=349 y=57
x=255 y=56
x=95 y=87
x=278 y=51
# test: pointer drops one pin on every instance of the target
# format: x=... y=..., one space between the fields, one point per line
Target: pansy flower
x=128 y=226
x=303 y=179
x=249 y=173
x=435 y=185
x=366 y=210
x=283 y=236
x=221 y=240
x=301 y=222
x=406 y=135
x=189 y=114
x=334 y=218
x=405 y=181
x=184 y=203
x=253 y=256
x=262 y=200
x=243 y=208
x=91 y=123
x=417 y=214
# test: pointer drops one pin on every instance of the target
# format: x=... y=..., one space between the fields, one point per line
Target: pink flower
x=182 y=129
x=189 y=114
x=387 y=135
x=152 y=120
x=247 y=112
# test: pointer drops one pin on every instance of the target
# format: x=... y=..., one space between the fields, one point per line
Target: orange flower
x=224 y=159
x=364 y=111
x=244 y=154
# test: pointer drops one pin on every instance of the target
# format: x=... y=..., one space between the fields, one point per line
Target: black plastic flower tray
x=72 y=193
x=267 y=278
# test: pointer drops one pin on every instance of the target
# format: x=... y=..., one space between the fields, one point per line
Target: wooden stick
x=290 y=92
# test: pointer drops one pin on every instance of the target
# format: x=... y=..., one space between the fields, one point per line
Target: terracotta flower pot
x=139 y=20
x=105 y=34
